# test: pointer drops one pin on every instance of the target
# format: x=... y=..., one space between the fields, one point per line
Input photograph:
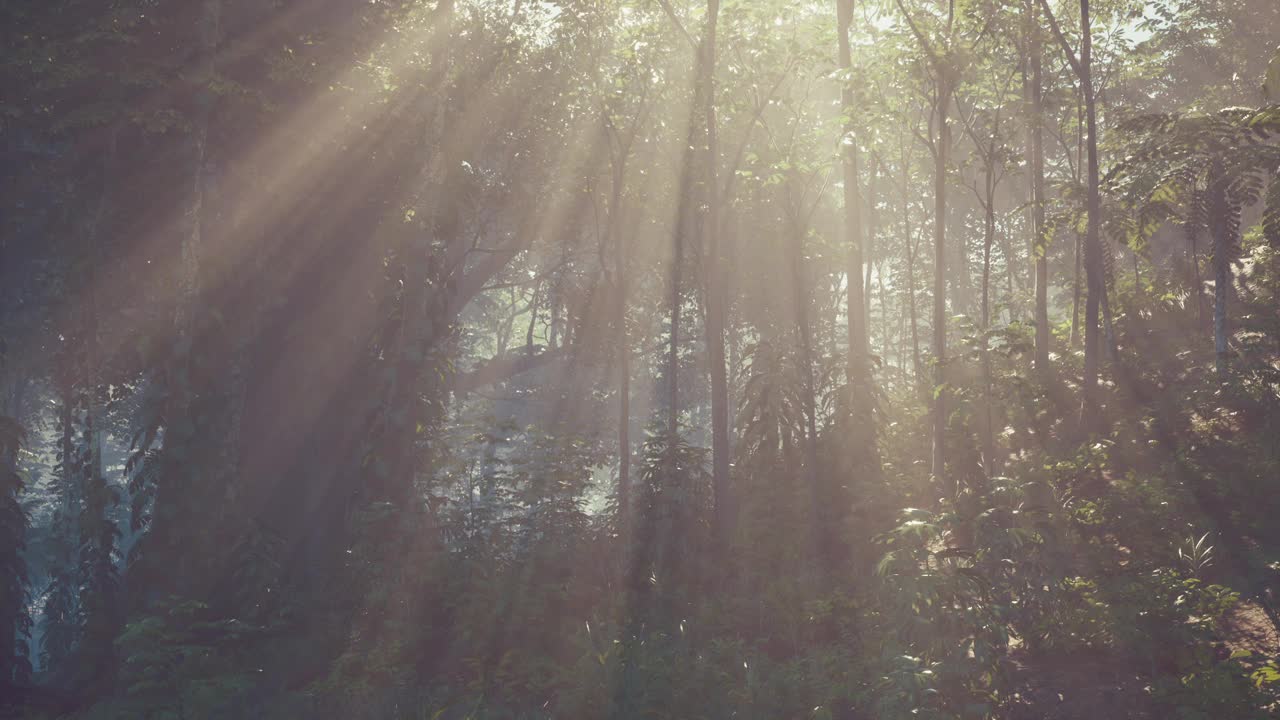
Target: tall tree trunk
x=988 y=237
x=170 y=528
x=716 y=298
x=419 y=317
x=886 y=342
x=1075 y=291
x=1096 y=285
x=941 y=152
x=675 y=297
x=1108 y=324
x=859 y=361
x=622 y=286
x=855 y=308
x=1093 y=260
x=913 y=313
x=1077 y=287
x=1040 y=239
x=870 y=235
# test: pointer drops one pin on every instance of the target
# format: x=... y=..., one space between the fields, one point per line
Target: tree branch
x=671 y=13
x=725 y=194
x=504 y=367
x=924 y=42
x=472 y=283
x=1062 y=39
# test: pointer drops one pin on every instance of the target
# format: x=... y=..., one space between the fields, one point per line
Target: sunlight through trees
x=521 y=359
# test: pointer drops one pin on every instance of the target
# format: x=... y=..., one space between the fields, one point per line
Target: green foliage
x=1181 y=166
x=184 y=662
x=1195 y=554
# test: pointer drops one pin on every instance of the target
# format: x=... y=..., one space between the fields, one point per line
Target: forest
x=636 y=359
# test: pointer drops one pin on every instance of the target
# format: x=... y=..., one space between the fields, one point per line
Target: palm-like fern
x=1201 y=171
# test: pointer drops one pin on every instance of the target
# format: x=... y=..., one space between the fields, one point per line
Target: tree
x=1093 y=248
x=1203 y=170
x=1033 y=90
x=716 y=297
x=859 y=372
x=620 y=147
x=944 y=77
x=985 y=133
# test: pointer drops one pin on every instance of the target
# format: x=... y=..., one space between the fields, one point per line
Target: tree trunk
x=1093 y=240
x=1108 y=324
x=1040 y=239
x=916 y=370
x=170 y=525
x=622 y=287
x=418 y=319
x=716 y=298
x=940 y=284
x=870 y=259
x=886 y=341
x=859 y=365
x=988 y=236
x=1075 y=292
x=674 y=298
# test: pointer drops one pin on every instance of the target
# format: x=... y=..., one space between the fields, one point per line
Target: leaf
x=886 y=564
x=1265 y=675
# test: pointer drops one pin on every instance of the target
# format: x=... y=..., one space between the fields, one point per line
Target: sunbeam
x=533 y=359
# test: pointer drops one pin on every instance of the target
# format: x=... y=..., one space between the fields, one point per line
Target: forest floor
x=1247 y=628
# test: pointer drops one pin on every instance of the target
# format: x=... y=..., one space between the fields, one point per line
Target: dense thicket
x=638 y=358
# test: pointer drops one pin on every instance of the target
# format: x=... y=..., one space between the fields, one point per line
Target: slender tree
x=1093 y=249
x=943 y=75
x=989 y=147
x=715 y=286
x=859 y=367
x=1033 y=90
